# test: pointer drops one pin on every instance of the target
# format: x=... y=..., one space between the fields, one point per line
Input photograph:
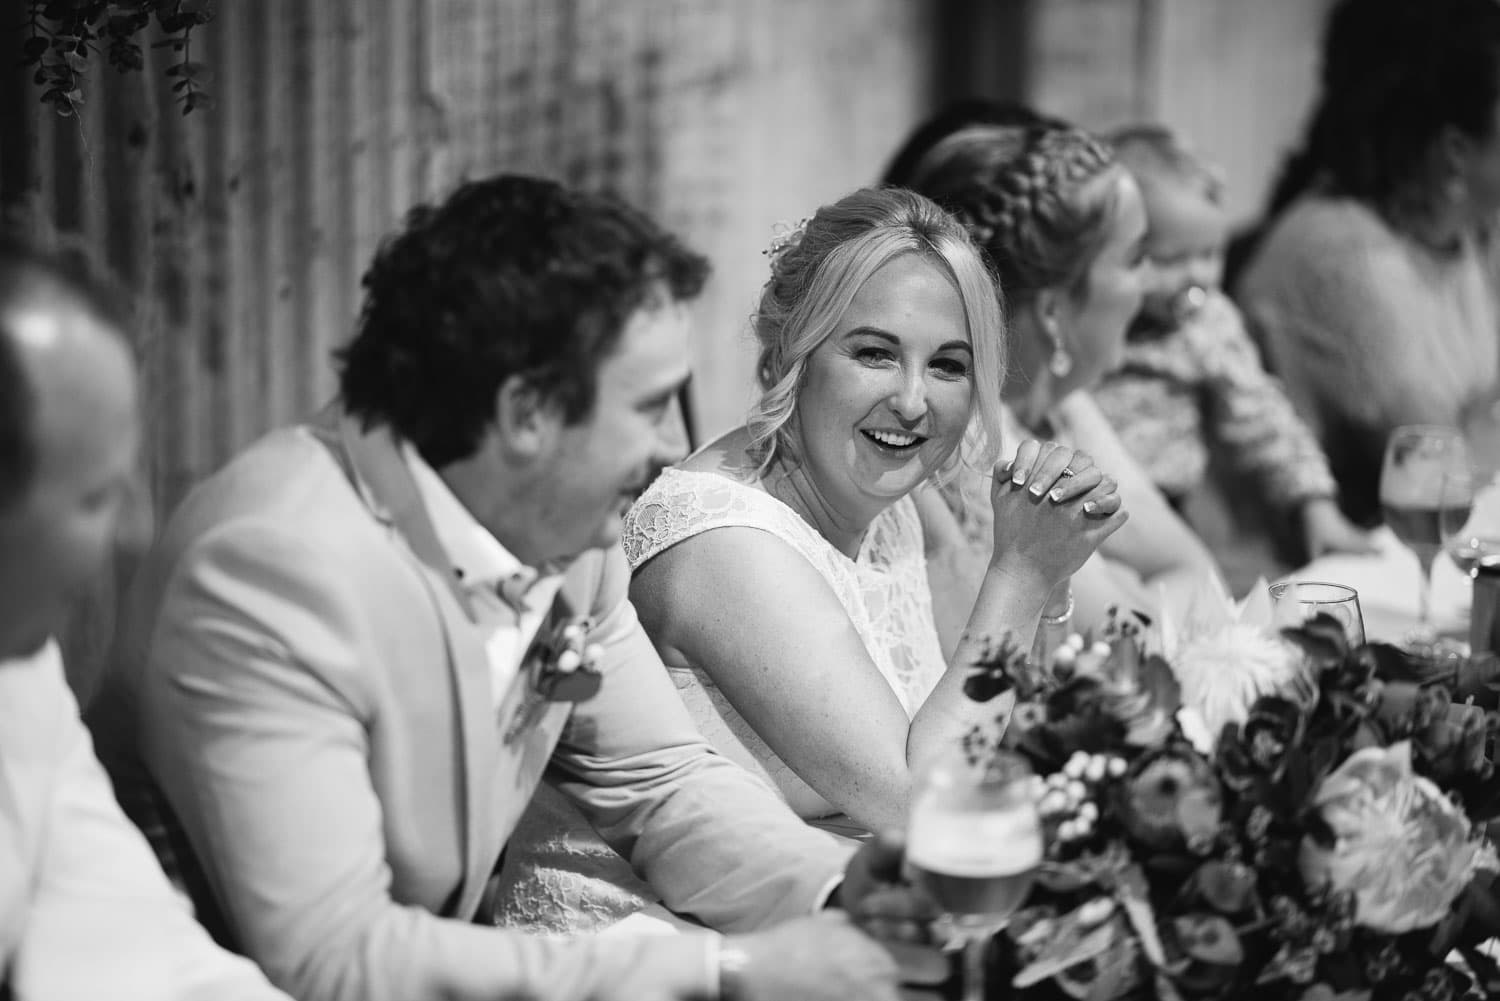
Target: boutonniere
x=561 y=665
x=566 y=668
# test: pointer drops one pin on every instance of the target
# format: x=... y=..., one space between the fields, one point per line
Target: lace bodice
x=884 y=589
x=559 y=877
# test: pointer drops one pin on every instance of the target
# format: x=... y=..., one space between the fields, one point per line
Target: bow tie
x=511 y=589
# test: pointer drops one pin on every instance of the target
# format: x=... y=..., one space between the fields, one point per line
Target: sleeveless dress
x=559 y=877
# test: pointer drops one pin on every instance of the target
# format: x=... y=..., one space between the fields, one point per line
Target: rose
x=1394 y=842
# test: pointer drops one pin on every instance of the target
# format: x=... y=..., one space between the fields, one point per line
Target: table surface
x=1387 y=583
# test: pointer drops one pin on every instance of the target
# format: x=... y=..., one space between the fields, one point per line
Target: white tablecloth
x=1387 y=586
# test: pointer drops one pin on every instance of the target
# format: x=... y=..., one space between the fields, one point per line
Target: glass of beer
x=974 y=841
x=1417 y=457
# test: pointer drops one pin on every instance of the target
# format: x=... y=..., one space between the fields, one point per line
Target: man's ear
x=526 y=420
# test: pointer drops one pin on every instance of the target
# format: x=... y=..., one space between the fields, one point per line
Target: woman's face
x=885 y=399
x=1092 y=320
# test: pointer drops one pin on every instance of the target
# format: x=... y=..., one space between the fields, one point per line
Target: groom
x=346 y=668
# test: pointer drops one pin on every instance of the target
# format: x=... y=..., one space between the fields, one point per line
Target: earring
x=1061 y=363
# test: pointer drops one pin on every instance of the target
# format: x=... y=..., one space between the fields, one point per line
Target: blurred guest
x=1192 y=378
x=1063 y=224
x=85 y=910
x=1375 y=289
x=358 y=647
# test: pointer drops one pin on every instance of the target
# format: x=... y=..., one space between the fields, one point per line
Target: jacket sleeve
x=258 y=732
x=715 y=841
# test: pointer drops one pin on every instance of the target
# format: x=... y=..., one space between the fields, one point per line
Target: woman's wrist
x=1056 y=615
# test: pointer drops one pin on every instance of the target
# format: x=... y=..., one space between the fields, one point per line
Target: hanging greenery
x=61 y=35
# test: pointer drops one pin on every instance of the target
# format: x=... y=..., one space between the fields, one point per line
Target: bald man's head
x=69 y=449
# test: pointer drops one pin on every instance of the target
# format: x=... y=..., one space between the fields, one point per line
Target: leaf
x=34 y=48
x=1131 y=890
x=1066 y=950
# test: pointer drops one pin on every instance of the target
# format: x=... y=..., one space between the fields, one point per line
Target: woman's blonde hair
x=815 y=275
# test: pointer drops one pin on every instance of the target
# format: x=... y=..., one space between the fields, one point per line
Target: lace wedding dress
x=559 y=877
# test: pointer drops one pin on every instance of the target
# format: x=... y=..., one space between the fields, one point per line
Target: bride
x=781 y=570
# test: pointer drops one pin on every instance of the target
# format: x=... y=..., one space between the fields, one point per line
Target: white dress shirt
x=85 y=910
x=483 y=563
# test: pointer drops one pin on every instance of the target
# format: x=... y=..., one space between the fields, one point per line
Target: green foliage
x=62 y=34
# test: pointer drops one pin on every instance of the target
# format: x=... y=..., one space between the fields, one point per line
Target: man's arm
x=104 y=921
x=254 y=726
x=711 y=838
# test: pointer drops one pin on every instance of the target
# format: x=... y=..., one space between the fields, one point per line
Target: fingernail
x=1037 y=490
x=1018 y=477
x=1089 y=507
x=1056 y=495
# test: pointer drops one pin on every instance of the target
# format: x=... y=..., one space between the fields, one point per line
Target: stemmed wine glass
x=974 y=841
x=1411 y=499
x=1469 y=520
x=1296 y=601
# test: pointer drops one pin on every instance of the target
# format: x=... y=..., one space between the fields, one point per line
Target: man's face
x=594 y=470
x=56 y=538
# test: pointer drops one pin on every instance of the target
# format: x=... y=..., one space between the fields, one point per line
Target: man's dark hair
x=1395 y=74
x=29 y=272
x=509 y=276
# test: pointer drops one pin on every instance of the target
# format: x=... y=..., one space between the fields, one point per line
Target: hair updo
x=1027 y=195
x=815 y=274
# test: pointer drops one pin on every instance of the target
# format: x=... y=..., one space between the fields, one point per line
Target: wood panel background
x=244 y=230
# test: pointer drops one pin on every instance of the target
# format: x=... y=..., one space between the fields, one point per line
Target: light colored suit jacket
x=310 y=691
x=85 y=911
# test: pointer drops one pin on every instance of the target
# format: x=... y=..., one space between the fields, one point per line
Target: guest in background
x=357 y=648
x=85 y=910
x=1191 y=377
x=1063 y=224
x=1375 y=288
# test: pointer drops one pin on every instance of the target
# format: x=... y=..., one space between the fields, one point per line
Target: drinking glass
x=1469 y=520
x=974 y=841
x=1411 y=499
x=1296 y=601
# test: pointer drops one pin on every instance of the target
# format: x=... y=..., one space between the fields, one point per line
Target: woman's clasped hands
x=1053 y=507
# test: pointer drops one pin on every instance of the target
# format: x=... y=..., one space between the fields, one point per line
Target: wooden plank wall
x=1236 y=79
x=244 y=230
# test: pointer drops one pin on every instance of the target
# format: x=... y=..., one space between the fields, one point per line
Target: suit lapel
x=378 y=470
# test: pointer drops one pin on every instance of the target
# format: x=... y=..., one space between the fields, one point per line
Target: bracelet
x=731 y=961
x=1061 y=618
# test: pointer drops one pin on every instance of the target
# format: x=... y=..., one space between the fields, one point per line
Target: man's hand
x=879 y=899
x=821 y=958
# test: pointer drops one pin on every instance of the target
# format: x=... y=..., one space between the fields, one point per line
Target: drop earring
x=1061 y=363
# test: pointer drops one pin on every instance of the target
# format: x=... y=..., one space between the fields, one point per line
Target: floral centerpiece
x=1233 y=811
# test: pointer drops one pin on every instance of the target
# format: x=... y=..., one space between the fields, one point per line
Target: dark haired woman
x=1375 y=289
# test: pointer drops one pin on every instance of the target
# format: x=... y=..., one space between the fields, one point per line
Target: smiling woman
x=781 y=570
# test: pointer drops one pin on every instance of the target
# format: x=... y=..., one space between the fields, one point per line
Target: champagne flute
x=974 y=841
x=1296 y=601
x=1411 y=485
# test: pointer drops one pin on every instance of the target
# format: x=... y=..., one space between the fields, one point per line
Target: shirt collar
x=476 y=554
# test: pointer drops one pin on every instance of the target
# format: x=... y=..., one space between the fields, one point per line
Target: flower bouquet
x=1235 y=812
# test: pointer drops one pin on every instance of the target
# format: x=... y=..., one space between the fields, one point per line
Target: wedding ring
x=1068 y=471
